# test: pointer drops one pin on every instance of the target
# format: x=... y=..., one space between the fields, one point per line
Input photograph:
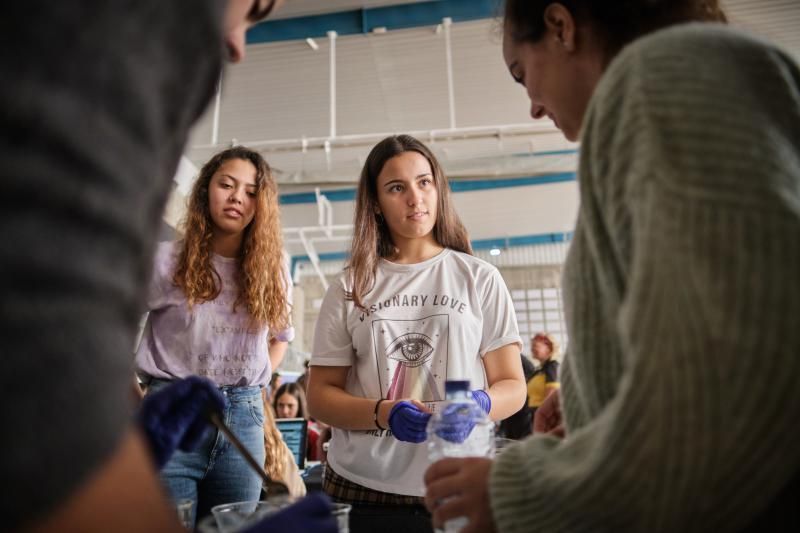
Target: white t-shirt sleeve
x=499 y=319
x=333 y=343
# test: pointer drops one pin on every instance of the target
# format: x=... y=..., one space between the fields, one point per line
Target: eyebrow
x=257 y=14
x=237 y=180
x=398 y=180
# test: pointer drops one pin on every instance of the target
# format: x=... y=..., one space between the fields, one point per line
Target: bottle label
x=435 y=407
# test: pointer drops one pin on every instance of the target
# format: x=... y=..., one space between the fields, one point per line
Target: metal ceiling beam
x=477 y=244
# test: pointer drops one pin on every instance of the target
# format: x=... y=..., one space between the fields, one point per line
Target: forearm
x=124 y=495
x=507 y=388
x=336 y=407
x=508 y=396
x=277 y=351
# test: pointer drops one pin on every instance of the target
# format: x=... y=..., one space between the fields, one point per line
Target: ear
x=560 y=24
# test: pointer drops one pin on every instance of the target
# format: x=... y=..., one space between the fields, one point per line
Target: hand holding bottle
x=458 y=419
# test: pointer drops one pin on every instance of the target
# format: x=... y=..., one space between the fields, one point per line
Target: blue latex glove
x=175 y=416
x=482 y=399
x=408 y=422
x=458 y=419
x=312 y=513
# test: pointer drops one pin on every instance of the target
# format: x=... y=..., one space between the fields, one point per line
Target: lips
x=232 y=212
x=419 y=215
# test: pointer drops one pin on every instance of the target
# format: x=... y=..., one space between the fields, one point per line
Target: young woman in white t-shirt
x=413 y=309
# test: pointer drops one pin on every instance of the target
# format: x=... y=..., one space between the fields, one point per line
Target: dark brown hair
x=371 y=238
x=618 y=22
x=292 y=389
x=262 y=287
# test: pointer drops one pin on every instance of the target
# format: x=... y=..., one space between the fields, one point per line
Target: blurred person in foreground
x=95 y=113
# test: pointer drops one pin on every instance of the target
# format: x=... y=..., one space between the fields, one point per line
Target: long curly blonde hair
x=262 y=287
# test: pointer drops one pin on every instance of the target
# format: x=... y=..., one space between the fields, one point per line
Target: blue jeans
x=216 y=473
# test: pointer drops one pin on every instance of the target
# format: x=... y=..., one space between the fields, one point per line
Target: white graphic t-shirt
x=424 y=324
x=211 y=339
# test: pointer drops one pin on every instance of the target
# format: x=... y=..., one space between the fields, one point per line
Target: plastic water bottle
x=479 y=443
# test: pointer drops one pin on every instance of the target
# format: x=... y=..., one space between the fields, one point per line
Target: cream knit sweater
x=681 y=387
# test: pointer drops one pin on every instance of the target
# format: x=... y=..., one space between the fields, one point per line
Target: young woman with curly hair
x=219 y=307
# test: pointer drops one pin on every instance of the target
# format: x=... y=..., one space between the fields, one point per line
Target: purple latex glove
x=175 y=416
x=482 y=398
x=408 y=422
x=312 y=513
x=458 y=419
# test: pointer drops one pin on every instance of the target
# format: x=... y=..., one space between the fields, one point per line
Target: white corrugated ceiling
x=397 y=82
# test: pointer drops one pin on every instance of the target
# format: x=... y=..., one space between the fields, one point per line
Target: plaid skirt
x=345 y=491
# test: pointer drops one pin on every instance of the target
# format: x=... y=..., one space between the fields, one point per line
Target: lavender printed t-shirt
x=211 y=340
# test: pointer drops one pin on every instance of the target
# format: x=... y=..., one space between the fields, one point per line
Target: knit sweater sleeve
x=690 y=177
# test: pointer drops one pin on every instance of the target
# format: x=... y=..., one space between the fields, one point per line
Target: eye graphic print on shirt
x=412 y=357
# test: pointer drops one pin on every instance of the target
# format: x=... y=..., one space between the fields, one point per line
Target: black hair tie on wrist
x=375 y=414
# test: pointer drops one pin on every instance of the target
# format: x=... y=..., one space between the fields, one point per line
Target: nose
x=414 y=196
x=234 y=42
x=537 y=111
x=236 y=195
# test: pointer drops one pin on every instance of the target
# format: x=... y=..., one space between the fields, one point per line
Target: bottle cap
x=456 y=385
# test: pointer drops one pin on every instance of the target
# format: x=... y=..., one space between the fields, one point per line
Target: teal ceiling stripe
x=482 y=185
x=543 y=153
x=348 y=195
x=358 y=21
x=521 y=240
x=334 y=195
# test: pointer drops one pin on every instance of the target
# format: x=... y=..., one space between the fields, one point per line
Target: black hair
x=618 y=22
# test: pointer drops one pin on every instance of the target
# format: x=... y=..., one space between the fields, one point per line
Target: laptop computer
x=295 y=435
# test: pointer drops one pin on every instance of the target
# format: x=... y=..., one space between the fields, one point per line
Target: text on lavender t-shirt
x=211 y=339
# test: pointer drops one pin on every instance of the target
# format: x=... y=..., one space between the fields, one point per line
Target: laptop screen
x=295 y=433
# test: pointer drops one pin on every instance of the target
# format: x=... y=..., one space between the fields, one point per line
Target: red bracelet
x=375 y=414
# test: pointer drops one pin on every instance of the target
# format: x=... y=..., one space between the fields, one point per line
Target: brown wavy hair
x=262 y=286
x=371 y=238
x=619 y=22
x=277 y=454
